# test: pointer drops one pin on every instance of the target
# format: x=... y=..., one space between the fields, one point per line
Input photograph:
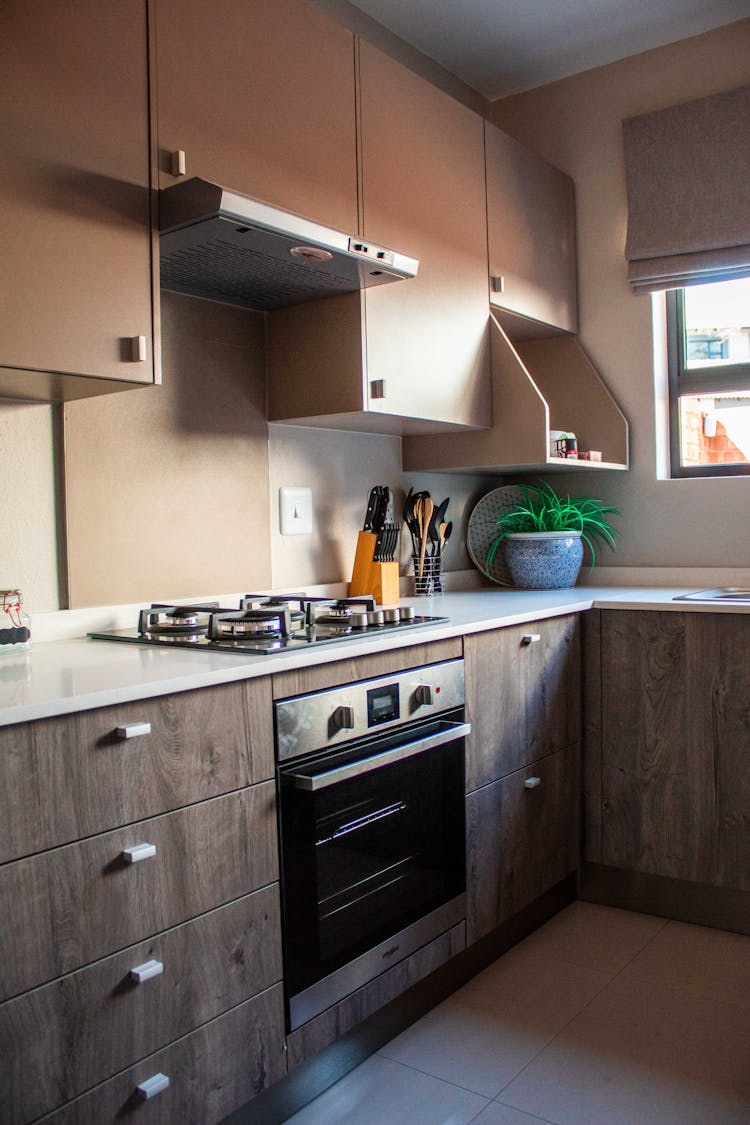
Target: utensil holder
x=369 y=577
x=430 y=580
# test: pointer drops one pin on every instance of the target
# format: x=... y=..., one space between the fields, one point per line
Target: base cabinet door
x=523 y=695
x=675 y=745
x=75 y=288
x=522 y=839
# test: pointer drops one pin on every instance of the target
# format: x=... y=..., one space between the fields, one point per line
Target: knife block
x=369 y=577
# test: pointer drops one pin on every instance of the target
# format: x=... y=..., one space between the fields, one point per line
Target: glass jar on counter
x=15 y=623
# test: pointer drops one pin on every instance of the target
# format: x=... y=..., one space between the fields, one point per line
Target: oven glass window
x=368 y=856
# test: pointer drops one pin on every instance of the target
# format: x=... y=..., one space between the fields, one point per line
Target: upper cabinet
x=413 y=355
x=259 y=95
x=75 y=291
x=423 y=193
x=531 y=236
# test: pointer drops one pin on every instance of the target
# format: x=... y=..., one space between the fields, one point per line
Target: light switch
x=295 y=511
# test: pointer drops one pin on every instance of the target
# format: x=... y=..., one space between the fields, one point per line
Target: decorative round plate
x=483 y=529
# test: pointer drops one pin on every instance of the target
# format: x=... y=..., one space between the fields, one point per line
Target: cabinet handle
x=136 y=349
x=377 y=388
x=146 y=971
x=133 y=730
x=138 y=852
x=178 y=163
x=530 y=638
x=497 y=283
x=532 y=783
x=152 y=1086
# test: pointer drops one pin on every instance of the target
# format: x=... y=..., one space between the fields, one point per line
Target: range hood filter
x=227 y=247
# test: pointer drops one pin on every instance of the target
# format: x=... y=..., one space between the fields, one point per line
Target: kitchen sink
x=729 y=595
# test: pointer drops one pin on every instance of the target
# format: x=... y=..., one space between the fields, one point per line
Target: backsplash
x=172 y=491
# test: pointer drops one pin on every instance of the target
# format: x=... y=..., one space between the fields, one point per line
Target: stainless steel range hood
x=227 y=247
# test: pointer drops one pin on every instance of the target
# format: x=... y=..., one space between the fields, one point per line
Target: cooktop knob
x=423 y=695
x=407 y=613
x=342 y=719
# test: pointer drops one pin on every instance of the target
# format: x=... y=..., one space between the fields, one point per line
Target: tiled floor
x=602 y=1017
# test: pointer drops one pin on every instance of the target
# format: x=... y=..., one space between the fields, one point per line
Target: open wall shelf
x=537 y=385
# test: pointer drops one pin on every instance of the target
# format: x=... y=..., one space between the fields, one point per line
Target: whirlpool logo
x=389 y=952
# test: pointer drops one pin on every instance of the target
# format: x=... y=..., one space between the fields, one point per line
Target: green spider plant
x=543 y=510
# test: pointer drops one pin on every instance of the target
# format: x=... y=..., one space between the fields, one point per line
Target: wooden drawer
x=69 y=906
x=59 y=1040
x=73 y=776
x=211 y=1072
x=522 y=696
x=520 y=841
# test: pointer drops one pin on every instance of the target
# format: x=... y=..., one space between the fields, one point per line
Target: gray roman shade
x=688 y=179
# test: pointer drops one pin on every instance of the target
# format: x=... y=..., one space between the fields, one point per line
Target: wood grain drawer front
x=302 y=680
x=60 y=1040
x=522 y=839
x=69 y=906
x=74 y=776
x=211 y=1072
x=523 y=686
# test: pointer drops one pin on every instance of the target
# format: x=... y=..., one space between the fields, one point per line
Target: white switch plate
x=295 y=511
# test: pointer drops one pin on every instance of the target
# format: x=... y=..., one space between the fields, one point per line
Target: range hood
x=230 y=248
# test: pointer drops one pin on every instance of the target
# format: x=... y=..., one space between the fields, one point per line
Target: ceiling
x=499 y=47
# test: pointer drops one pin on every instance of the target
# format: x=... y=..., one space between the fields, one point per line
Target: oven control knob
x=423 y=695
x=343 y=718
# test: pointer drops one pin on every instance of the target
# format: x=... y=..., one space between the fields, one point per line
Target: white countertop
x=59 y=677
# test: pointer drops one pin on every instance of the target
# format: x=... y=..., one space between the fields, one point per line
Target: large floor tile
x=713 y=961
x=488 y=1031
x=497 y=1114
x=381 y=1092
x=599 y=937
x=645 y=1053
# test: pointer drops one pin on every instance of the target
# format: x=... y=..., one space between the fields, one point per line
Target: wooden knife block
x=369 y=577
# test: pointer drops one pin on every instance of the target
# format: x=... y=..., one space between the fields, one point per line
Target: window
x=709 y=378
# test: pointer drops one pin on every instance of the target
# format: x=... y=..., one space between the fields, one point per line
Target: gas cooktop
x=263 y=624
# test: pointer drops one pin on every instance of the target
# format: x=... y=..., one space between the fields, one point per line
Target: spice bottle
x=15 y=623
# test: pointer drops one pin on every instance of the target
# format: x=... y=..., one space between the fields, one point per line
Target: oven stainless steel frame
x=371 y=800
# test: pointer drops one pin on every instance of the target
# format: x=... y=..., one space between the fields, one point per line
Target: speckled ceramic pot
x=544 y=560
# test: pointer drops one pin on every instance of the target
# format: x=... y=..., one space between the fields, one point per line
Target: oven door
x=372 y=851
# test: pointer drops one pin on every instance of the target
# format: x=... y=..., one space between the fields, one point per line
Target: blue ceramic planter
x=544 y=560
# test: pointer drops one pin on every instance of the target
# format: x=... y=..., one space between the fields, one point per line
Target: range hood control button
x=342 y=719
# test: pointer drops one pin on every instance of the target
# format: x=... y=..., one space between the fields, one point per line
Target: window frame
x=684 y=382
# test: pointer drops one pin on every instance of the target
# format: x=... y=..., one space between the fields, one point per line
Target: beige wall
x=576 y=124
x=28 y=510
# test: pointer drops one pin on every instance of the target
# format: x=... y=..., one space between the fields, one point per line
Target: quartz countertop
x=63 y=676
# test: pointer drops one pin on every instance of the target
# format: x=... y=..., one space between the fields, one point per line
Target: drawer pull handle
x=532 y=782
x=146 y=971
x=133 y=730
x=138 y=852
x=530 y=638
x=178 y=162
x=152 y=1086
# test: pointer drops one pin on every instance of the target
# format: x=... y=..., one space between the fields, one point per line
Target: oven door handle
x=314 y=782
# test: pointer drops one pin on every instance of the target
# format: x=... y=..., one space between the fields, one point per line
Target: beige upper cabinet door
x=423 y=194
x=75 y=287
x=259 y=94
x=531 y=232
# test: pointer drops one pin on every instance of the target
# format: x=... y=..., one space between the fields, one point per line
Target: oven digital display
x=382 y=705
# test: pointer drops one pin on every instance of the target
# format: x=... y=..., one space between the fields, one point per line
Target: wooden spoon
x=426 y=509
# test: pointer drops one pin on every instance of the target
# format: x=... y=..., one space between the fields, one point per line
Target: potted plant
x=543 y=535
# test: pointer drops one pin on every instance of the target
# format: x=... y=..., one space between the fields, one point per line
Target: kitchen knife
x=371 y=502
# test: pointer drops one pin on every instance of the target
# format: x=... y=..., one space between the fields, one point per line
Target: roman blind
x=688 y=181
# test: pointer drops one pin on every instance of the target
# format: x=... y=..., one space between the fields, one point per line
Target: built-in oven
x=371 y=800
